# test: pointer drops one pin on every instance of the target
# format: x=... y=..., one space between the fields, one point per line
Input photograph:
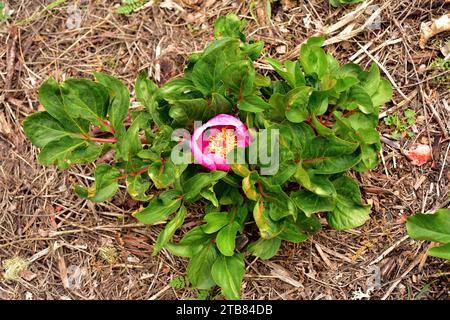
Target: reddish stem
x=104 y=140
x=132 y=174
x=107 y=125
x=315 y=160
x=260 y=189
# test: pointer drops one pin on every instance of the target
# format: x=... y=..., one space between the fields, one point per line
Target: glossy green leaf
x=41 y=128
x=197 y=183
x=50 y=96
x=265 y=248
x=228 y=273
x=440 y=251
x=199 y=267
x=215 y=221
x=192 y=242
x=226 y=238
x=253 y=103
x=432 y=227
x=162 y=173
x=268 y=228
x=349 y=211
x=137 y=187
x=86 y=99
x=297 y=104
x=229 y=26
x=207 y=71
x=146 y=91
x=119 y=97
x=238 y=77
x=105 y=187
x=168 y=232
x=383 y=94
x=311 y=203
x=67 y=151
x=160 y=208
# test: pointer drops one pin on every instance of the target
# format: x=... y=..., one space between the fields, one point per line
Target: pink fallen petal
x=419 y=155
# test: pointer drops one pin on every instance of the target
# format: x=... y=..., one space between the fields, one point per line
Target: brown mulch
x=61 y=235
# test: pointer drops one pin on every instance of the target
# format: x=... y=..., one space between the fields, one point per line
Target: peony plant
x=266 y=154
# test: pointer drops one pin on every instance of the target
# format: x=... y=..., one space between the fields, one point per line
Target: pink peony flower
x=211 y=143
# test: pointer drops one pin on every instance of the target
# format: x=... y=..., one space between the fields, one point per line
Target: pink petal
x=199 y=145
x=419 y=155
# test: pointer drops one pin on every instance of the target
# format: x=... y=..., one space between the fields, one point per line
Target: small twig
x=408 y=270
x=388 y=250
x=324 y=257
x=443 y=163
x=386 y=72
x=11 y=58
x=160 y=292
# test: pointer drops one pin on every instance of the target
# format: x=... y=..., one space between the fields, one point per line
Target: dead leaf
x=430 y=29
x=419 y=155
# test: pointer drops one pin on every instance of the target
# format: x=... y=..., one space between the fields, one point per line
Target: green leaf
x=311 y=203
x=292 y=232
x=372 y=82
x=336 y=3
x=197 y=183
x=119 y=96
x=146 y=94
x=159 y=209
x=226 y=238
x=267 y=227
x=41 y=128
x=277 y=204
x=253 y=103
x=168 y=232
x=129 y=142
x=383 y=94
x=290 y=72
x=308 y=224
x=357 y=97
x=239 y=77
x=137 y=187
x=51 y=98
x=432 y=227
x=248 y=186
x=441 y=251
x=319 y=184
x=192 y=242
x=313 y=58
x=220 y=104
x=329 y=155
x=208 y=70
x=199 y=267
x=229 y=26
x=105 y=186
x=253 y=50
x=228 y=273
x=318 y=102
x=297 y=104
x=210 y=195
x=67 y=151
x=162 y=173
x=86 y=99
x=265 y=249
x=215 y=221
x=349 y=211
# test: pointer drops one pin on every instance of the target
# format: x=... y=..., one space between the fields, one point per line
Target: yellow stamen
x=223 y=142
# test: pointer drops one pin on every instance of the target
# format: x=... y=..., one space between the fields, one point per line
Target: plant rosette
x=271 y=155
